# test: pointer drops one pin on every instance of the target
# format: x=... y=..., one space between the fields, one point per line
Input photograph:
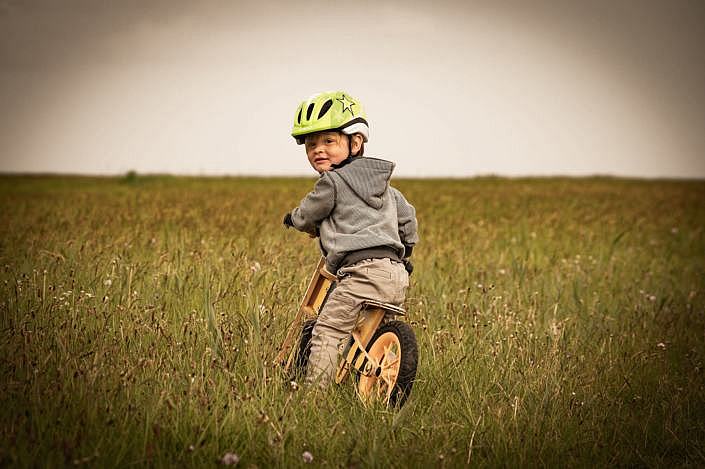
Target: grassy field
x=561 y=322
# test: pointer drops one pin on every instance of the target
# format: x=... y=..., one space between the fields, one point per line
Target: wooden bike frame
x=354 y=354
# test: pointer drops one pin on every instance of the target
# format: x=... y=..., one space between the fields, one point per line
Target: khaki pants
x=371 y=279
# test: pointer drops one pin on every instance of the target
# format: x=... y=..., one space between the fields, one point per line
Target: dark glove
x=287 y=221
x=408 y=265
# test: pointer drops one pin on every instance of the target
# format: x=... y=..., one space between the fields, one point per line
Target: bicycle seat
x=395 y=310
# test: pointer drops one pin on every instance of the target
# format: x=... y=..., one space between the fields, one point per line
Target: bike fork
x=355 y=355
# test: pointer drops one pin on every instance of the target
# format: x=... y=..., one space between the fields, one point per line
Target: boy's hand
x=287 y=221
x=408 y=265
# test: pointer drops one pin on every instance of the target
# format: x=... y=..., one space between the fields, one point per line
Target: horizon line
x=137 y=174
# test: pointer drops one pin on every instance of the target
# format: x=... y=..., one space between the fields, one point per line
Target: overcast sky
x=450 y=88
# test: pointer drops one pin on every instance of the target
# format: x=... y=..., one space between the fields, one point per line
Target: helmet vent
x=299 y=118
x=325 y=108
x=309 y=111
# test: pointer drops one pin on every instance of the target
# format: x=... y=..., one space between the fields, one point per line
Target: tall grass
x=561 y=322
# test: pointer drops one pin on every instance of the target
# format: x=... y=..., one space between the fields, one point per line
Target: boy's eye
x=330 y=140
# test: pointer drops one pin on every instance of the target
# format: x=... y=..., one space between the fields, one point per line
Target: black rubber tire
x=409 y=359
x=303 y=350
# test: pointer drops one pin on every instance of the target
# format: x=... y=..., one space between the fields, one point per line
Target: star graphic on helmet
x=347 y=104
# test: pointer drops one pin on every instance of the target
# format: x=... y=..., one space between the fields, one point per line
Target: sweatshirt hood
x=368 y=178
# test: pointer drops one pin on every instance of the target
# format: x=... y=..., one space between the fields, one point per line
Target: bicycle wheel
x=393 y=346
x=303 y=350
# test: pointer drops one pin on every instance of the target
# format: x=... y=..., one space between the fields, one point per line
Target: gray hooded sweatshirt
x=353 y=208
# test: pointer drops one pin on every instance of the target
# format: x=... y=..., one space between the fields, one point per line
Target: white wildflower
x=230 y=459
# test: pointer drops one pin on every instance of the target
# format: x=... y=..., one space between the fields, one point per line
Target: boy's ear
x=356 y=141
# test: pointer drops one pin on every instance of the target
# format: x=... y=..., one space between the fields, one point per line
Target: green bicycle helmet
x=332 y=110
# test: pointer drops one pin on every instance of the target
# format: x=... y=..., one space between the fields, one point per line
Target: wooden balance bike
x=381 y=352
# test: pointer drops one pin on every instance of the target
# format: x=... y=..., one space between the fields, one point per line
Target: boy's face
x=325 y=149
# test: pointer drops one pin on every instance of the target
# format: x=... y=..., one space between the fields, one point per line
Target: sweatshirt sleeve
x=315 y=207
x=406 y=217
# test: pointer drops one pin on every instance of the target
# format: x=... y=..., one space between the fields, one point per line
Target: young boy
x=367 y=229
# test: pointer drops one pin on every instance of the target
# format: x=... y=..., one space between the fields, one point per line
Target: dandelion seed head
x=230 y=459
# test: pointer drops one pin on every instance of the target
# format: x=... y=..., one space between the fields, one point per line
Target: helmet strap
x=350 y=155
x=347 y=160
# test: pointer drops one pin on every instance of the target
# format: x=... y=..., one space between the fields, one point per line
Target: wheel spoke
x=390 y=363
x=389 y=394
